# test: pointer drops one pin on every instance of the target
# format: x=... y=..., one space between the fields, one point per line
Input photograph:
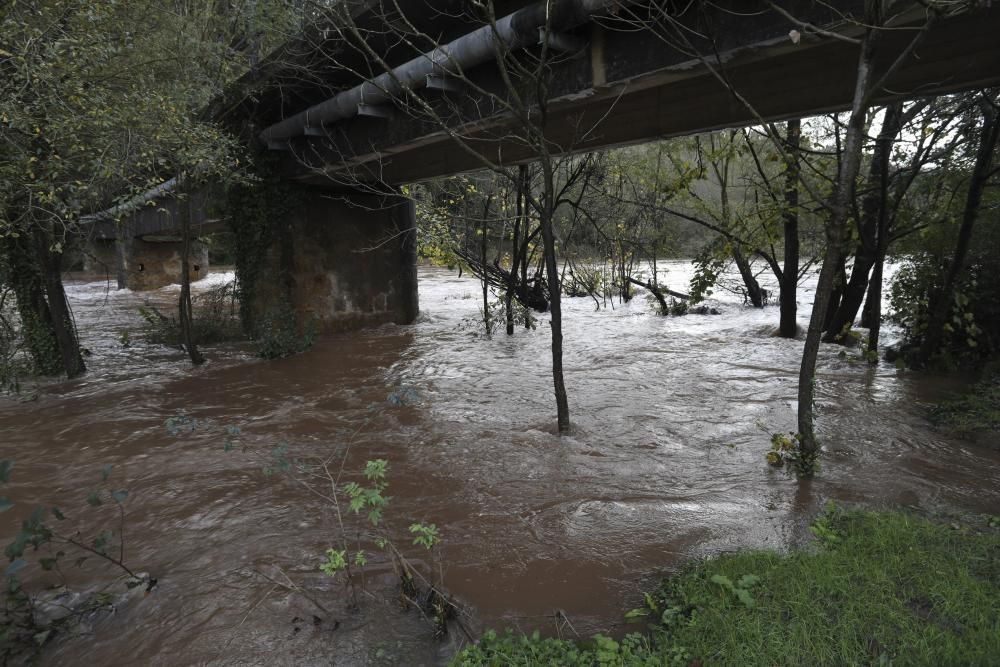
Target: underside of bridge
x=625 y=74
x=621 y=73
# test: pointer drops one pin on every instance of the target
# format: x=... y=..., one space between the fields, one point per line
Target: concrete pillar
x=153 y=262
x=344 y=261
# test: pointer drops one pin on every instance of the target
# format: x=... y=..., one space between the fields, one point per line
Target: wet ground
x=665 y=462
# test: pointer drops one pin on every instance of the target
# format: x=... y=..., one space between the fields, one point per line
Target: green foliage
x=972 y=330
x=709 y=265
x=425 y=535
x=334 y=563
x=369 y=499
x=741 y=589
x=971 y=334
x=510 y=650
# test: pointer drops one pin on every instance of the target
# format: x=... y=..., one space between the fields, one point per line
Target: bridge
x=367 y=101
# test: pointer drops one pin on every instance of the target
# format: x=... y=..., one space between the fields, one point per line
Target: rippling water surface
x=665 y=462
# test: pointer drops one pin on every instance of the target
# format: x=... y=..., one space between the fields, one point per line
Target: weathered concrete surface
x=153 y=264
x=343 y=262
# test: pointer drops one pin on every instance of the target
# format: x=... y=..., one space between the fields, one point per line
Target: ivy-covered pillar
x=341 y=260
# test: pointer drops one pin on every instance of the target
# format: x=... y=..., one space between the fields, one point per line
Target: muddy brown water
x=665 y=463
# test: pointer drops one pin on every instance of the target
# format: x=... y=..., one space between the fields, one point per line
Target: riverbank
x=877 y=588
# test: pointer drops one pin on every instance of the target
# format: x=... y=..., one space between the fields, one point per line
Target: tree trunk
x=835 y=233
x=515 y=250
x=61 y=316
x=789 y=279
x=486 y=285
x=32 y=308
x=657 y=291
x=187 y=329
x=754 y=292
x=873 y=306
x=941 y=303
x=839 y=280
x=555 y=298
x=873 y=211
x=872 y=316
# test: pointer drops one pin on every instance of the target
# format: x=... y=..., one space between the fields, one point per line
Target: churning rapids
x=665 y=463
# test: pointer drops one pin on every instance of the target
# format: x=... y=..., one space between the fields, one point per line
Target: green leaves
x=426 y=535
x=370 y=498
x=375 y=470
x=741 y=589
x=336 y=560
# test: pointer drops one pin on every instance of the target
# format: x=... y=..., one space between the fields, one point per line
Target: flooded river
x=665 y=463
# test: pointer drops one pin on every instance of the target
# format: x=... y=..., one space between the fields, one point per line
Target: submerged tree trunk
x=873 y=212
x=873 y=305
x=835 y=232
x=754 y=292
x=658 y=292
x=839 y=281
x=789 y=278
x=187 y=329
x=515 y=250
x=555 y=299
x=872 y=316
x=486 y=285
x=941 y=303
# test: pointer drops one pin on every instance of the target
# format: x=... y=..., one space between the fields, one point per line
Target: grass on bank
x=880 y=588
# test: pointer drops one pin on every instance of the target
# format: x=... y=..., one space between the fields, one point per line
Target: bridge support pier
x=153 y=262
x=343 y=262
x=105 y=257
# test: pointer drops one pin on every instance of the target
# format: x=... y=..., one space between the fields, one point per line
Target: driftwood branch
x=658 y=292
